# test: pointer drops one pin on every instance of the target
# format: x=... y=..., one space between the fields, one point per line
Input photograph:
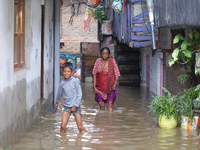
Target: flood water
x=127 y=128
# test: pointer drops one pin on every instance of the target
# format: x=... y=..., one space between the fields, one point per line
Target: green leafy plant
x=184 y=54
x=185 y=103
x=98 y=13
x=165 y=105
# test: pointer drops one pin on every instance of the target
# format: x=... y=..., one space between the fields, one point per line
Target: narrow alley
x=127 y=128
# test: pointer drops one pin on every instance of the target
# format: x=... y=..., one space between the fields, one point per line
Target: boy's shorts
x=78 y=110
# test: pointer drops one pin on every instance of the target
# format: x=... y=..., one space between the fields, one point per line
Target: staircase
x=128 y=62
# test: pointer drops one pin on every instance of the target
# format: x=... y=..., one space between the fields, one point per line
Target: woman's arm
x=94 y=84
x=115 y=84
x=94 y=72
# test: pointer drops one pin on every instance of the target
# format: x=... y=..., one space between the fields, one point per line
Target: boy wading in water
x=71 y=88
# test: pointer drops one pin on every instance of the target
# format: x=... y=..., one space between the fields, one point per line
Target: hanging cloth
x=124 y=3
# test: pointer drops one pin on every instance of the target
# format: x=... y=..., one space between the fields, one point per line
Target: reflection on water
x=127 y=128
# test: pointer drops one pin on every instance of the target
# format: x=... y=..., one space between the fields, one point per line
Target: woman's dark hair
x=104 y=49
x=68 y=65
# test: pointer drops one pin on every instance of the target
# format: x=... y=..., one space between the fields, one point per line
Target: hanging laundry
x=117 y=6
x=87 y=20
x=124 y=3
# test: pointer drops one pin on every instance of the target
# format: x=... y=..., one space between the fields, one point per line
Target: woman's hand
x=73 y=108
x=114 y=87
x=95 y=90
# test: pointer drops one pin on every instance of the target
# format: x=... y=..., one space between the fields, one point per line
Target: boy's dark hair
x=104 y=49
x=68 y=65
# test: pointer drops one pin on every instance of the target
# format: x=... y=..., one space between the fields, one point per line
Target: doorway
x=42 y=55
x=89 y=53
x=128 y=60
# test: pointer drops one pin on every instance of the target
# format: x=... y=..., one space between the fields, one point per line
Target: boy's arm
x=78 y=94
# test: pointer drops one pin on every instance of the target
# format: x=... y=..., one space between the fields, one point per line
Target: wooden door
x=89 y=53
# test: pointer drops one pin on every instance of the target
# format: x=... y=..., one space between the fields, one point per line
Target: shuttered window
x=19 y=54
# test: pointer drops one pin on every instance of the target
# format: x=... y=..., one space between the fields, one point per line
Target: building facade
x=27 y=61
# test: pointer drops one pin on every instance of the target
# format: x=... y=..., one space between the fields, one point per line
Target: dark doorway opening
x=128 y=60
x=42 y=55
x=89 y=53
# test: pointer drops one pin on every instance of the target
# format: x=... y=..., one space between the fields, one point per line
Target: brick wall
x=171 y=74
x=73 y=34
x=154 y=83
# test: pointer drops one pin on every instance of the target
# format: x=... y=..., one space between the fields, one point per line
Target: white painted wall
x=154 y=69
x=6 y=43
x=20 y=89
x=48 y=48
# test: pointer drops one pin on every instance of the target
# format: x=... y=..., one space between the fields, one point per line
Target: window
x=19 y=56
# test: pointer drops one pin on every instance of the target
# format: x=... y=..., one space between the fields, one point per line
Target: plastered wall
x=20 y=89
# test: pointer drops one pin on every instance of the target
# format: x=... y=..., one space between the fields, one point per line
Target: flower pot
x=190 y=124
x=165 y=123
x=107 y=27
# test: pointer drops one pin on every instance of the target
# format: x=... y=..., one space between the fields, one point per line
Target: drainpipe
x=56 y=47
x=150 y=7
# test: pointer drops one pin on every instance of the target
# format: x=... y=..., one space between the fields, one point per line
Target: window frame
x=159 y=42
x=20 y=19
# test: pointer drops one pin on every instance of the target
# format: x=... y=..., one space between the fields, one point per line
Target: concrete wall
x=155 y=73
x=73 y=34
x=20 y=89
x=48 y=49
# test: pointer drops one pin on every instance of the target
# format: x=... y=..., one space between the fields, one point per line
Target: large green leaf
x=197 y=88
x=176 y=39
x=182 y=38
x=175 y=53
x=187 y=53
x=171 y=109
x=171 y=62
x=191 y=35
x=184 y=45
x=169 y=94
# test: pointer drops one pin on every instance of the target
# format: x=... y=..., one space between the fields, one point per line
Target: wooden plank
x=129 y=21
x=141 y=28
x=140 y=15
x=125 y=25
x=141 y=44
x=133 y=1
x=140 y=21
x=142 y=37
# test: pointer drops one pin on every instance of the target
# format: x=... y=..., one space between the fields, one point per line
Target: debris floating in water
x=132 y=110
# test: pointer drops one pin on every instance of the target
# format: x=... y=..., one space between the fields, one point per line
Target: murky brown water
x=127 y=128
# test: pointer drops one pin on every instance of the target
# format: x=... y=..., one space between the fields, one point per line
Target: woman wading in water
x=106 y=73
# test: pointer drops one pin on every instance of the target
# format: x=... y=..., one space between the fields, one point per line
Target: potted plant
x=100 y=15
x=165 y=108
x=187 y=105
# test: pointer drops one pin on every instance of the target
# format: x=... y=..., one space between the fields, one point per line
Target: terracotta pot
x=165 y=123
